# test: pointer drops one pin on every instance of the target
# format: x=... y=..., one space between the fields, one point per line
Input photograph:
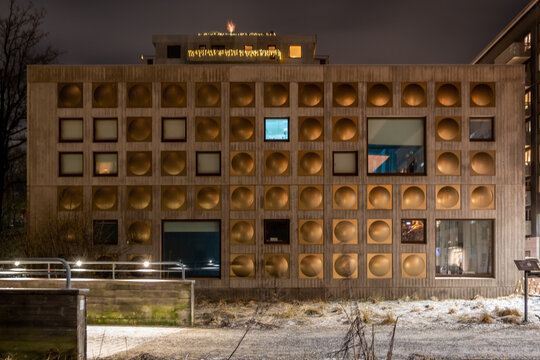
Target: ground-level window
x=105 y=232
x=194 y=243
x=464 y=247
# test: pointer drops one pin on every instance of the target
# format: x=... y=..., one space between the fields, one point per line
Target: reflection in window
x=194 y=243
x=464 y=247
x=413 y=231
x=105 y=232
x=276 y=231
x=276 y=129
x=481 y=129
x=105 y=164
x=396 y=146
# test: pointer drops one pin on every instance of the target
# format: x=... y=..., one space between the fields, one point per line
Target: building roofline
x=505 y=30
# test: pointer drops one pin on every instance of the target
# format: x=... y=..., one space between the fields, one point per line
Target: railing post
x=113 y=269
x=49 y=271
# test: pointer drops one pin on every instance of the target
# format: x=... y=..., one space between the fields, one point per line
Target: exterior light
x=17 y=263
x=78 y=263
x=146 y=264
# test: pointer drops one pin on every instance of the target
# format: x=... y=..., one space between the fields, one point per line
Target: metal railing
x=38 y=261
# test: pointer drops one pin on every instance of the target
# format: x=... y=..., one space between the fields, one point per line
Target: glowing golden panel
x=208 y=197
x=310 y=129
x=379 y=94
x=345 y=129
x=139 y=163
x=242 y=94
x=448 y=197
x=483 y=163
x=242 y=129
x=447 y=94
x=242 y=232
x=413 y=265
x=311 y=266
x=345 y=94
x=173 y=95
x=276 y=266
x=242 y=163
x=139 y=197
x=310 y=94
x=345 y=197
x=448 y=162
x=207 y=129
x=70 y=197
x=482 y=197
x=310 y=231
x=448 y=128
x=379 y=197
x=276 y=94
x=379 y=266
x=208 y=95
x=413 y=94
x=413 y=197
x=311 y=197
x=379 y=231
x=104 y=198
x=242 y=197
x=173 y=197
x=70 y=95
x=242 y=266
x=482 y=94
x=345 y=266
x=139 y=232
x=310 y=163
x=104 y=95
x=139 y=95
x=173 y=163
x=276 y=197
x=345 y=231
x=139 y=129
x=276 y=163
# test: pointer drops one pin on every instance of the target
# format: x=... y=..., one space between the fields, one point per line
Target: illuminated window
x=345 y=163
x=527 y=155
x=276 y=129
x=71 y=130
x=208 y=163
x=71 y=164
x=481 y=129
x=202 y=47
x=527 y=42
x=173 y=51
x=295 y=51
x=528 y=125
x=105 y=164
x=105 y=232
x=276 y=231
x=173 y=129
x=413 y=231
x=527 y=99
x=271 y=47
x=105 y=130
x=248 y=47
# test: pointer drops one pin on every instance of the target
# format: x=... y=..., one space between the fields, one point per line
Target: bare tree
x=21 y=45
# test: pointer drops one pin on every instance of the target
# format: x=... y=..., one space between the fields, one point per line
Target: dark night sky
x=361 y=31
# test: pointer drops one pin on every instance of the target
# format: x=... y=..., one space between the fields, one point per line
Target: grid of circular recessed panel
x=139 y=163
x=173 y=95
x=413 y=94
x=276 y=266
x=242 y=197
x=345 y=197
x=345 y=231
x=379 y=266
x=139 y=95
x=70 y=197
x=448 y=128
x=310 y=94
x=345 y=129
x=70 y=95
x=242 y=94
x=447 y=94
x=379 y=231
x=207 y=95
x=242 y=129
x=345 y=95
x=276 y=163
x=311 y=197
x=242 y=232
x=276 y=94
x=413 y=197
x=483 y=163
x=139 y=129
x=379 y=94
x=276 y=197
x=243 y=265
x=104 y=198
x=139 y=197
x=173 y=163
x=310 y=129
x=173 y=197
x=413 y=265
x=482 y=95
x=207 y=129
x=448 y=162
x=310 y=266
x=379 y=197
x=139 y=232
x=104 y=95
x=448 y=197
x=208 y=197
x=345 y=266
x=310 y=231
x=242 y=163
x=482 y=197
x=310 y=163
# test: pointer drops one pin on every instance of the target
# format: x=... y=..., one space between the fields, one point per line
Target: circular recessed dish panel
x=414 y=265
x=345 y=265
x=310 y=95
x=242 y=164
x=276 y=198
x=242 y=198
x=311 y=163
x=139 y=232
x=241 y=95
x=448 y=129
x=345 y=231
x=242 y=232
x=173 y=163
x=482 y=95
x=207 y=197
x=173 y=198
x=105 y=198
x=379 y=231
x=276 y=266
x=380 y=266
x=379 y=95
x=139 y=197
x=311 y=232
x=139 y=129
x=413 y=95
x=70 y=198
x=448 y=163
x=207 y=129
x=482 y=197
x=482 y=163
x=311 y=266
x=70 y=95
x=276 y=95
x=344 y=95
x=242 y=129
x=242 y=266
x=414 y=197
x=379 y=197
x=447 y=197
x=311 y=198
x=311 y=129
x=276 y=164
x=345 y=197
x=105 y=96
x=173 y=95
x=139 y=95
x=345 y=129
x=207 y=95
x=448 y=95
x=139 y=163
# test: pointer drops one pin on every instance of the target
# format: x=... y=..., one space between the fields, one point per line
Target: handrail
x=42 y=261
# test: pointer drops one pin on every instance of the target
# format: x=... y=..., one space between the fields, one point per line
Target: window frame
x=60 y=140
x=163 y=119
x=94 y=163
x=94 y=232
x=301 y=51
x=197 y=173
x=424 y=220
x=492 y=121
x=282 y=222
x=60 y=153
x=345 y=152
x=288 y=128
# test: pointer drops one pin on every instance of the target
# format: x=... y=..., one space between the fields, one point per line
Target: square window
x=105 y=232
x=345 y=163
x=106 y=164
x=271 y=47
x=196 y=244
x=208 y=163
x=105 y=130
x=481 y=129
x=276 y=129
x=71 y=164
x=173 y=51
x=71 y=130
x=173 y=129
x=396 y=146
x=413 y=231
x=276 y=231
x=248 y=47
x=202 y=47
x=295 y=51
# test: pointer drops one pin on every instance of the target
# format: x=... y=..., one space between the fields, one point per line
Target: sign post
x=531 y=269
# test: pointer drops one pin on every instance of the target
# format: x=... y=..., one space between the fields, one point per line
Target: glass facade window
x=105 y=130
x=464 y=247
x=295 y=51
x=396 y=146
x=70 y=164
x=413 y=231
x=527 y=42
x=276 y=231
x=527 y=155
x=173 y=129
x=527 y=99
x=345 y=163
x=105 y=164
x=276 y=129
x=105 y=232
x=71 y=130
x=208 y=163
x=481 y=129
x=194 y=243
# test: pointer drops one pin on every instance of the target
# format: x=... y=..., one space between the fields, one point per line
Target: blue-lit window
x=396 y=146
x=276 y=129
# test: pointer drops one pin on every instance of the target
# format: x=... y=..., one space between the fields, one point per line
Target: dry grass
x=434 y=298
x=389 y=320
x=507 y=312
x=511 y=319
x=452 y=310
x=416 y=309
x=478 y=297
x=365 y=315
x=375 y=299
x=485 y=318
